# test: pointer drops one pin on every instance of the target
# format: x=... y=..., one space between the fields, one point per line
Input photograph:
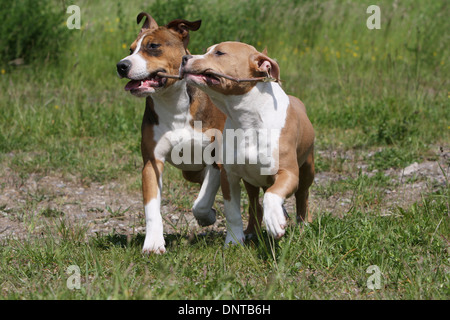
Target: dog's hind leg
x=306 y=177
x=254 y=210
x=232 y=198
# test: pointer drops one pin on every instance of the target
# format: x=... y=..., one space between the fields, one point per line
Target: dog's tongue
x=133 y=84
x=137 y=84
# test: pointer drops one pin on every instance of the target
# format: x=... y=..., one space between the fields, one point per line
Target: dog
x=234 y=75
x=171 y=111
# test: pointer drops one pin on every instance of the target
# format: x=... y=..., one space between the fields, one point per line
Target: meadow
x=379 y=103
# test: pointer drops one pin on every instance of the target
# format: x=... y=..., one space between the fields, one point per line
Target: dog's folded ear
x=149 y=23
x=265 y=65
x=183 y=27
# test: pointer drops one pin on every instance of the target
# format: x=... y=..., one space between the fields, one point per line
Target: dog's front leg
x=151 y=183
x=231 y=190
x=151 y=189
x=285 y=184
x=203 y=206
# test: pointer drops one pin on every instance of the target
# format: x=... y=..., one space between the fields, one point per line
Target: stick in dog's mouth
x=214 y=77
x=170 y=76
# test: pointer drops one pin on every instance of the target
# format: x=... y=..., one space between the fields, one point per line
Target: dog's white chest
x=182 y=146
x=252 y=133
x=176 y=140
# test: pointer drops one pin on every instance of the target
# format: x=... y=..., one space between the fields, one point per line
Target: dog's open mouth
x=206 y=77
x=151 y=82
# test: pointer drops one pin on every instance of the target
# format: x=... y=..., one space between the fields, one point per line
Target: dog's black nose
x=185 y=59
x=123 y=67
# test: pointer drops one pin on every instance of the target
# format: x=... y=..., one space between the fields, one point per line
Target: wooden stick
x=165 y=75
x=217 y=74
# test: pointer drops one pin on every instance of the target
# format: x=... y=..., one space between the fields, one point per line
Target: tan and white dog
x=171 y=109
x=262 y=106
x=171 y=112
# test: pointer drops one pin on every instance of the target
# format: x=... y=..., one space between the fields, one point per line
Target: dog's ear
x=149 y=23
x=182 y=27
x=265 y=65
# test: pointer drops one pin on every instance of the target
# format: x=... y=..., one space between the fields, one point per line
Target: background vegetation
x=380 y=94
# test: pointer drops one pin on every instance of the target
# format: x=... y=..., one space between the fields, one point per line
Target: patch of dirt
x=405 y=186
x=28 y=206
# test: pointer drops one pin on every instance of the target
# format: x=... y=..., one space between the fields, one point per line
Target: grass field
x=378 y=100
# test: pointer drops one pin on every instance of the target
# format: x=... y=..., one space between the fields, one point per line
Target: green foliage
x=327 y=259
x=31 y=30
x=220 y=21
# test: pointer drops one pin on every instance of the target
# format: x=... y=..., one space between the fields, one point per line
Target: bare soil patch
x=30 y=205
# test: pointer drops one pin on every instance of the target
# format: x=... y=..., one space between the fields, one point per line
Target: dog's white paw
x=154 y=244
x=204 y=218
x=274 y=215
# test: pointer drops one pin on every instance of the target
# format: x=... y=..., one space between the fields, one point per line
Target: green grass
x=363 y=88
x=383 y=92
x=328 y=259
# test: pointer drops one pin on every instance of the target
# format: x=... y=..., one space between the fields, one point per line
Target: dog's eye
x=153 y=45
x=131 y=51
x=219 y=53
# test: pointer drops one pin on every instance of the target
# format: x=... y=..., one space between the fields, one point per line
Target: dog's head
x=234 y=59
x=156 y=49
